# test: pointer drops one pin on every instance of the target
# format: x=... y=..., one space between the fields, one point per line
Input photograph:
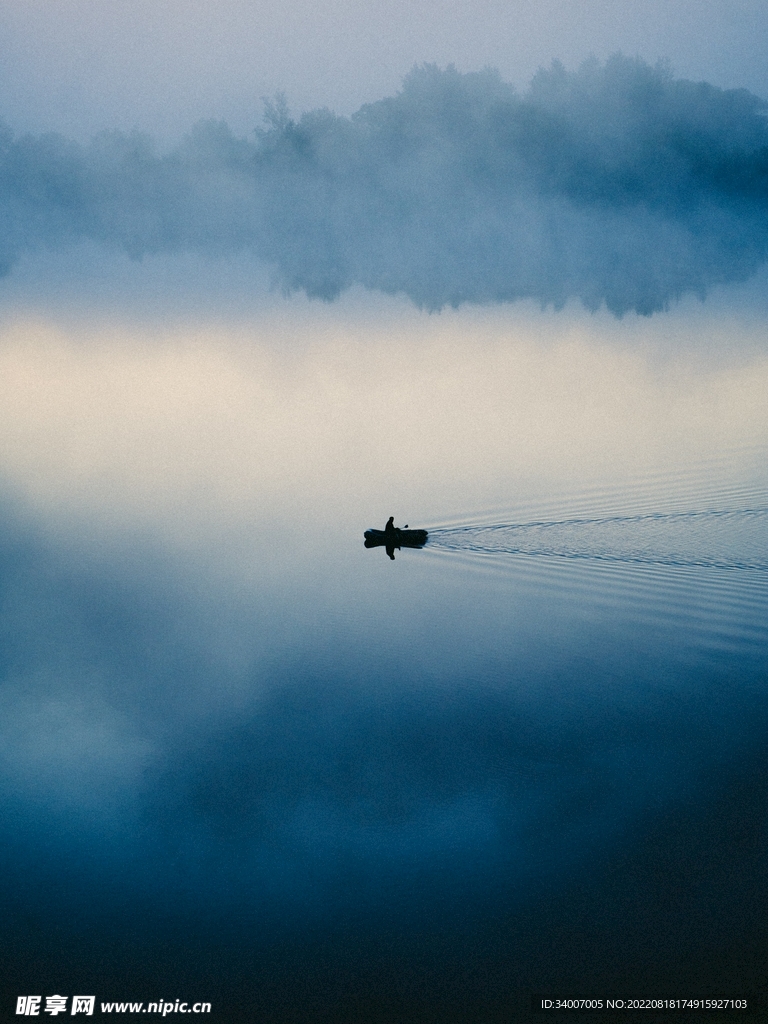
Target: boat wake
x=717 y=538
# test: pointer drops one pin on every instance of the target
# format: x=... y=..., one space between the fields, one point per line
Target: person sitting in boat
x=390 y=537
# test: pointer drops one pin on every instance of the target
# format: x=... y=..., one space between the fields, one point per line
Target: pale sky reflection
x=184 y=432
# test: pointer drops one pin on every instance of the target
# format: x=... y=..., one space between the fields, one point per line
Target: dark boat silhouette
x=398 y=539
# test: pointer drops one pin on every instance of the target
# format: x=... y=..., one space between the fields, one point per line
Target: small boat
x=400 y=538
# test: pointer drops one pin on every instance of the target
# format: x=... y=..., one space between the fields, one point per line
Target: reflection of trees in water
x=616 y=184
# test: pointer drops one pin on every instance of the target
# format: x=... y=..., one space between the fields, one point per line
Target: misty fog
x=617 y=184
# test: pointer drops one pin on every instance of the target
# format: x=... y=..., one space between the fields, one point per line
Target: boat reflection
x=395 y=539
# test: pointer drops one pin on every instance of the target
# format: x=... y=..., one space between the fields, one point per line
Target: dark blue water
x=530 y=758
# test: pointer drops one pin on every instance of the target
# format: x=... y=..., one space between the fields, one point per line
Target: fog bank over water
x=617 y=185
x=77 y=66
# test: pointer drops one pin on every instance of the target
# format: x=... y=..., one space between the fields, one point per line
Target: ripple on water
x=711 y=538
x=679 y=550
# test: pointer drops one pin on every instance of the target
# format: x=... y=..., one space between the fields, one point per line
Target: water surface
x=247 y=760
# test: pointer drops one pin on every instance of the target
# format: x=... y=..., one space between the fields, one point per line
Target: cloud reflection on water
x=198 y=430
x=275 y=733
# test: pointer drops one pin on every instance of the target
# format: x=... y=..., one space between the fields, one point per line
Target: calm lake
x=248 y=761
